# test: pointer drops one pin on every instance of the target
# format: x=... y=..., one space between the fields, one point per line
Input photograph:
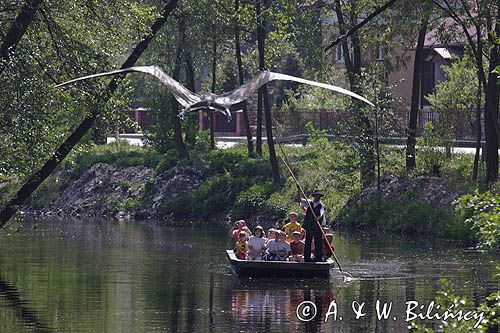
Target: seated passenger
x=237 y=228
x=278 y=249
x=292 y=226
x=256 y=244
x=241 y=247
x=329 y=237
x=297 y=247
x=271 y=235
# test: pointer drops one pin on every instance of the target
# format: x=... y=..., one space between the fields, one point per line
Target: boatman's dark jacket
x=309 y=224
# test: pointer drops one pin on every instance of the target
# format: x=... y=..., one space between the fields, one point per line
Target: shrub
x=181 y=206
x=402 y=216
x=481 y=211
x=447 y=299
x=118 y=154
x=237 y=162
x=212 y=197
x=430 y=157
x=253 y=199
x=166 y=162
x=222 y=161
x=217 y=195
x=124 y=205
x=278 y=204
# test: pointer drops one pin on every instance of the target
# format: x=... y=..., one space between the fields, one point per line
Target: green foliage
x=128 y=205
x=430 y=157
x=7 y=189
x=237 y=162
x=307 y=97
x=278 y=204
x=403 y=216
x=481 y=212
x=459 y=90
x=213 y=197
x=66 y=39
x=46 y=193
x=447 y=299
x=253 y=199
x=117 y=154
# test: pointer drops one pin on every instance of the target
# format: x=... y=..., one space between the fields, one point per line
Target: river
x=110 y=276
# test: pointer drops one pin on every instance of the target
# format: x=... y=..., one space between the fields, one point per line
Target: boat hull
x=289 y=269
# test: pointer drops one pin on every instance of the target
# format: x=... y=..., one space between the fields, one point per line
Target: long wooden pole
x=285 y=161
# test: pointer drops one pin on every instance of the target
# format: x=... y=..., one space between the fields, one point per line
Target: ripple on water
x=124 y=276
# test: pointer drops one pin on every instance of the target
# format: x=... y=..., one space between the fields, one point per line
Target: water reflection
x=265 y=303
x=122 y=276
x=13 y=299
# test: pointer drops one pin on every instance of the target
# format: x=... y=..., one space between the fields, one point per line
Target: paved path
x=228 y=142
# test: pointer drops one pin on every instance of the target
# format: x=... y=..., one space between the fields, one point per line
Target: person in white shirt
x=256 y=244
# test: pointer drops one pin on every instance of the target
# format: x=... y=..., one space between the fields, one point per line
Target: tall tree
x=18 y=28
x=491 y=107
x=358 y=26
x=353 y=68
x=237 y=46
x=474 y=20
x=63 y=150
x=475 y=167
x=211 y=115
x=180 y=146
x=261 y=37
x=415 y=95
x=191 y=122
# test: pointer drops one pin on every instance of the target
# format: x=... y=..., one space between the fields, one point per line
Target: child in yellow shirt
x=241 y=247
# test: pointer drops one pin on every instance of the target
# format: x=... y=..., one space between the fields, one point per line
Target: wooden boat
x=279 y=268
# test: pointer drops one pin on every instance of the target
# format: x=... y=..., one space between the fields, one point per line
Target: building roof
x=456 y=35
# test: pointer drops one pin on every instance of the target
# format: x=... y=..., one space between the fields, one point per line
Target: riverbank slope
x=214 y=187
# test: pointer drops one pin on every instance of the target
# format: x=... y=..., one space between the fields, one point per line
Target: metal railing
x=461 y=123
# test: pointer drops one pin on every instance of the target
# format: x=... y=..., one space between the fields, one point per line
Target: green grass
x=234 y=182
x=117 y=154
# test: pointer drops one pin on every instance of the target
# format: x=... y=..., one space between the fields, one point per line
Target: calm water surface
x=94 y=276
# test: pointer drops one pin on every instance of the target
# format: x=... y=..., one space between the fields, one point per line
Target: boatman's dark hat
x=317 y=192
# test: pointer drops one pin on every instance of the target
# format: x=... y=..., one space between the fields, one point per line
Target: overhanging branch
x=361 y=24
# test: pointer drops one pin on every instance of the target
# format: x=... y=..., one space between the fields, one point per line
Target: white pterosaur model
x=221 y=103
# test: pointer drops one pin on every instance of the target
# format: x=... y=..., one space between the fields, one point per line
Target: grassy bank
x=234 y=183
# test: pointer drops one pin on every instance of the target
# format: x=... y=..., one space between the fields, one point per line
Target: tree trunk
x=246 y=120
x=180 y=147
x=261 y=39
x=63 y=150
x=17 y=30
x=211 y=115
x=475 y=169
x=258 y=129
x=415 y=98
x=190 y=122
x=353 y=68
x=491 y=111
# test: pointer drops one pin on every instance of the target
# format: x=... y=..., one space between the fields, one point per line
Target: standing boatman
x=312 y=228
